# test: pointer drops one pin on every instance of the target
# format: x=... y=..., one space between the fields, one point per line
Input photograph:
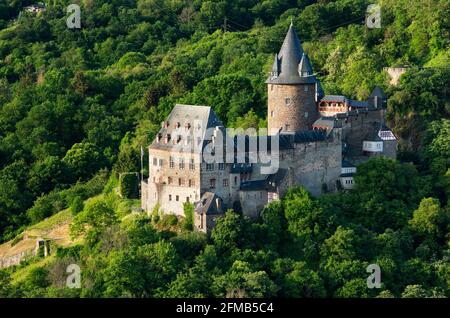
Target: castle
x=313 y=140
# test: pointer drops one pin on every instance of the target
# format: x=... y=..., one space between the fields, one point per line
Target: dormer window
x=158 y=137
x=177 y=124
x=166 y=124
x=167 y=138
x=187 y=126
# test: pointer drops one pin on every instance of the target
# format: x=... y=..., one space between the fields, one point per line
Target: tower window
x=306 y=88
x=287 y=101
x=306 y=114
x=287 y=126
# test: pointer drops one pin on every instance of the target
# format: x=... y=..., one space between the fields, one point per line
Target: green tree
x=430 y=220
x=77 y=205
x=188 y=216
x=84 y=159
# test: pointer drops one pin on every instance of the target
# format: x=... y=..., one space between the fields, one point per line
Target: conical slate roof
x=287 y=64
x=305 y=68
x=377 y=99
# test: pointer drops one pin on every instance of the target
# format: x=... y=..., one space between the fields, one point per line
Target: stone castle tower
x=293 y=90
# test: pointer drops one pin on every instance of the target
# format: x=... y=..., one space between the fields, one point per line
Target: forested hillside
x=76 y=104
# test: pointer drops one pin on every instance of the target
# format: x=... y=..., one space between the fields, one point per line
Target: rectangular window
x=161 y=162
x=187 y=199
x=287 y=101
x=170 y=197
x=177 y=198
x=212 y=183
x=209 y=167
x=306 y=114
x=225 y=183
x=155 y=161
x=235 y=180
x=221 y=166
x=180 y=182
x=191 y=165
x=172 y=162
x=181 y=164
x=169 y=180
x=306 y=88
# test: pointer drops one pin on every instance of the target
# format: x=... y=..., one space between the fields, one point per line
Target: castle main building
x=316 y=141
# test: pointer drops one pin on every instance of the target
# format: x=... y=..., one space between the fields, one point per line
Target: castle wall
x=291 y=107
x=313 y=165
x=355 y=128
x=253 y=202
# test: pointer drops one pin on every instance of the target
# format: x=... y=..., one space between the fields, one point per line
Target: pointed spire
x=304 y=68
x=288 y=61
x=275 y=67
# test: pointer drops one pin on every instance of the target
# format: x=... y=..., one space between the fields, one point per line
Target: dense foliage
x=73 y=102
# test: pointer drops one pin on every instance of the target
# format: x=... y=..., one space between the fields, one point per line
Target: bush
x=155 y=214
x=124 y=208
x=189 y=216
x=55 y=201
x=169 y=220
x=77 y=206
x=129 y=185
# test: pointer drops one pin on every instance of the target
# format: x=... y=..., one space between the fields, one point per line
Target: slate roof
x=347 y=164
x=284 y=142
x=319 y=91
x=358 y=103
x=309 y=136
x=377 y=98
x=268 y=184
x=288 y=62
x=208 y=205
x=200 y=118
x=334 y=98
x=328 y=122
x=254 y=185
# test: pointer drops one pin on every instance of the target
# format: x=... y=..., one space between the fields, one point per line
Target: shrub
x=124 y=208
x=189 y=216
x=155 y=213
x=129 y=185
x=169 y=220
x=77 y=206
